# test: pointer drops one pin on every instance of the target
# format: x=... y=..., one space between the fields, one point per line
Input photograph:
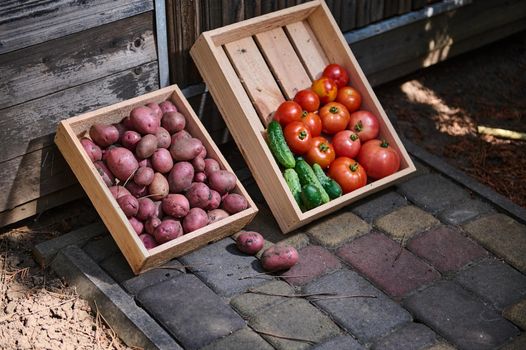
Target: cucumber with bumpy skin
x=278 y=146
x=307 y=176
x=293 y=181
x=310 y=196
x=330 y=186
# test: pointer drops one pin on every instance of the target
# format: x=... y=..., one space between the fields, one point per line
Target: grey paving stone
x=343 y=342
x=377 y=205
x=224 y=268
x=405 y=222
x=432 y=192
x=135 y=284
x=131 y=323
x=460 y=317
x=413 y=336
x=459 y=213
x=101 y=248
x=517 y=314
x=313 y=262
x=364 y=317
x=295 y=318
x=250 y=304
x=190 y=311
x=117 y=267
x=494 y=281
x=518 y=343
x=338 y=228
x=244 y=339
x=265 y=224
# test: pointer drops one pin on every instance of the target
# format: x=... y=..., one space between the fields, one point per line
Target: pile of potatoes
x=160 y=174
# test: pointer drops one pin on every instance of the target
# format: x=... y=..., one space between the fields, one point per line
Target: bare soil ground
x=438 y=108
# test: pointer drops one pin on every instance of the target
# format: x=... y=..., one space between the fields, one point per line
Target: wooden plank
x=256 y=77
x=30 y=126
x=23 y=24
x=348 y=14
x=268 y=6
x=376 y=10
x=418 y=4
x=308 y=48
x=61 y=63
x=404 y=6
x=253 y=8
x=233 y=11
x=213 y=10
x=390 y=8
x=283 y=61
x=362 y=12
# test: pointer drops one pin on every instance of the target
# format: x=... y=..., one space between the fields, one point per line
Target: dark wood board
x=347 y=11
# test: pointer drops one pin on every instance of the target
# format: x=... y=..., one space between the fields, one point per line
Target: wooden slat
x=233 y=11
x=61 y=63
x=30 y=126
x=253 y=8
x=256 y=77
x=362 y=12
x=308 y=48
x=283 y=61
x=404 y=6
x=418 y=4
x=390 y=8
x=23 y=24
x=348 y=14
x=268 y=6
x=376 y=10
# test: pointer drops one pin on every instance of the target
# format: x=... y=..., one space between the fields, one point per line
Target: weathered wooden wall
x=58 y=59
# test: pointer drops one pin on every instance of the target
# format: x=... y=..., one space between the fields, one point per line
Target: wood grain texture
x=404 y=6
x=347 y=11
x=376 y=10
x=390 y=8
x=61 y=63
x=362 y=12
x=24 y=23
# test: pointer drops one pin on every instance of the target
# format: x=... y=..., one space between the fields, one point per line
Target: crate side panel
x=283 y=61
x=255 y=76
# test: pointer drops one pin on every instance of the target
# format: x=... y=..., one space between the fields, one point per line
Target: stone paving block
x=421 y=169
x=378 y=204
x=102 y=248
x=313 y=262
x=446 y=248
x=404 y=223
x=343 y=342
x=432 y=192
x=224 y=268
x=190 y=311
x=241 y=340
x=156 y=275
x=413 y=336
x=295 y=318
x=117 y=267
x=461 y=212
x=518 y=343
x=389 y=266
x=501 y=235
x=517 y=314
x=441 y=346
x=368 y=319
x=250 y=304
x=336 y=229
x=494 y=281
x=297 y=240
x=460 y=317
x=265 y=224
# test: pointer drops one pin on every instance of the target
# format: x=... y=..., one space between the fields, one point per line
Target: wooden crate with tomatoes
x=301 y=111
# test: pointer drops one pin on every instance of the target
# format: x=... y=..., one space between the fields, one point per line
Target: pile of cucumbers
x=310 y=186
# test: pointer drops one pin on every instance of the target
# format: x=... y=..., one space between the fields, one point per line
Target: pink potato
x=198 y=195
x=129 y=205
x=222 y=181
x=162 y=160
x=175 y=205
x=250 y=242
x=203 y=153
x=180 y=177
x=144 y=162
x=180 y=135
x=186 y=149
x=279 y=257
x=136 y=190
x=167 y=106
x=234 y=203
x=211 y=165
x=144 y=120
x=146 y=209
x=158 y=209
x=200 y=177
x=148 y=241
x=198 y=163
x=195 y=219
x=159 y=187
x=104 y=135
x=137 y=225
x=105 y=173
x=173 y=122
x=215 y=201
x=122 y=163
x=130 y=139
x=168 y=229
x=118 y=191
x=94 y=152
x=143 y=176
x=146 y=146
x=151 y=225
x=156 y=108
x=164 y=139
x=121 y=129
x=126 y=122
x=216 y=215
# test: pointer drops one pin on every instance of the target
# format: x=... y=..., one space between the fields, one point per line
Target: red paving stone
x=382 y=261
x=313 y=262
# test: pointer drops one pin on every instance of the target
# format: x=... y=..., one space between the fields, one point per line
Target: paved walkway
x=423 y=265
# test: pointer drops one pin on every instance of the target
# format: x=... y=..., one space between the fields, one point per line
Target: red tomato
x=325 y=88
x=346 y=144
x=378 y=159
x=334 y=117
x=365 y=124
x=321 y=152
x=336 y=73
x=313 y=123
x=287 y=112
x=350 y=98
x=298 y=137
x=308 y=100
x=348 y=173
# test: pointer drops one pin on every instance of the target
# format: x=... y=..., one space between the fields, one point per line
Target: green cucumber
x=278 y=146
x=310 y=196
x=293 y=181
x=330 y=186
x=307 y=176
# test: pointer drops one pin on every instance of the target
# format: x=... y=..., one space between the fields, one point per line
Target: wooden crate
x=139 y=258
x=252 y=66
